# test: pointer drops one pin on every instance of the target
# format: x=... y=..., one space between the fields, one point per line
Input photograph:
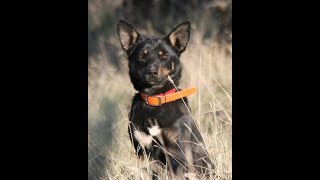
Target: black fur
x=149 y=70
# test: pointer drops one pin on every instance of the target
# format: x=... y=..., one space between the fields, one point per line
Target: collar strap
x=169 y=96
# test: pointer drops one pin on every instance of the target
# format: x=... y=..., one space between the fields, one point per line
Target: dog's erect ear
x=128 y=36
x=179 y=37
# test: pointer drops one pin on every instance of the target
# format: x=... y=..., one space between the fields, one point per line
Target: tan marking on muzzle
x=164 y=71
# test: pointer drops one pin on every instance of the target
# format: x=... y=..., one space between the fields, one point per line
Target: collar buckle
x=159 y=101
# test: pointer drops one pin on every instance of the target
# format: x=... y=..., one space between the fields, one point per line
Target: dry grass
x=207 y=65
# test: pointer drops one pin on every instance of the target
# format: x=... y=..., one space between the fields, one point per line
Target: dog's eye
x=162 y=56
x=142 y=56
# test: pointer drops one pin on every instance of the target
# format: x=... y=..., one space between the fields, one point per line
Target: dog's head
x=152 y=59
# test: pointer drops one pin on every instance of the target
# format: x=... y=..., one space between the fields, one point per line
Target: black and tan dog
x=161 y=126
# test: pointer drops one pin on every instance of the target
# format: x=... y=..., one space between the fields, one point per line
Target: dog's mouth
x=155 y=80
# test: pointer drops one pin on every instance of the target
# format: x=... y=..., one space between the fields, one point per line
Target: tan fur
x=164 y=71
x=173 y=39
x=170 y=135
x=134 y=38
x=126 y=39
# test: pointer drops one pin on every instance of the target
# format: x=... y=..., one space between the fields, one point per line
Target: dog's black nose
x=153 y=72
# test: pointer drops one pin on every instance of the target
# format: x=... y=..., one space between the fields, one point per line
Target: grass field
x=207 y=65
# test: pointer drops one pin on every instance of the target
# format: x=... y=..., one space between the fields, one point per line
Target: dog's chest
x=144 y=116
x=150 y=122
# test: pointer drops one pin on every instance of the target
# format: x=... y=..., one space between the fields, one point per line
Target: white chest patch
x=154 y=130
x=143 y=139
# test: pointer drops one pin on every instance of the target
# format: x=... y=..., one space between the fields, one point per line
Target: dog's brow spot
x=145 y=51
x=154 y=130
x=172 y=66
x=144 y=139
x=160 y=53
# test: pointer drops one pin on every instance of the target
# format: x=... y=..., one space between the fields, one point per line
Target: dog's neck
x=157 y=89
x=173 y=90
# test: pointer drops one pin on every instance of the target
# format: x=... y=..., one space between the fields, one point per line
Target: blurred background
x=207 y=65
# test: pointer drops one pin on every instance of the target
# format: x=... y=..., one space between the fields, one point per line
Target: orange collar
x=166 y=97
